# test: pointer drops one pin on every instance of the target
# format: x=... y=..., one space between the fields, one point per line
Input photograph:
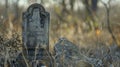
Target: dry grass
x=96 y=47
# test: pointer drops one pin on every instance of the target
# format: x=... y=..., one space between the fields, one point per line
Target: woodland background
x=93 y=25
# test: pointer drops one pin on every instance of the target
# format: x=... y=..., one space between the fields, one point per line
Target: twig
x=6 y=58
x=25 y=59
x=108 y=6
x=49 y=55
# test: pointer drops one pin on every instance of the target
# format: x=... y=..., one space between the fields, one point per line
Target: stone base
x=41 y=60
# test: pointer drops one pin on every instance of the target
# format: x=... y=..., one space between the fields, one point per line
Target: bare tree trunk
x=6 y=9
x=87 y=6
x=64 y=8
x=16 y=5
x=108 y=20
x=94 y=5
x=108 y=23
x=72 y=4
x=91 y=8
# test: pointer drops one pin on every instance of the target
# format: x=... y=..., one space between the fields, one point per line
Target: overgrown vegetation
x=96 y=36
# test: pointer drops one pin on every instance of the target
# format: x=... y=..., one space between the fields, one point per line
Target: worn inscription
x=35 y=26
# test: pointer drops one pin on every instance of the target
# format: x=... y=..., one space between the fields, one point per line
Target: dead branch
x=108 y=7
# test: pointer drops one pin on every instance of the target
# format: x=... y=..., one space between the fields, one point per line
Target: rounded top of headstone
x=36 y=5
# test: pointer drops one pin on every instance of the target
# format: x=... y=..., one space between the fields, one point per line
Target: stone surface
x=66 y=53
x=35 y=27
x=35 y=38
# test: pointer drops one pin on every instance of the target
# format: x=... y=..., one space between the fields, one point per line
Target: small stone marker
x=36 y=37
x=66 y=53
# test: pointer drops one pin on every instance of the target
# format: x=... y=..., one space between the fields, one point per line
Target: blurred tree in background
x=68 y=17
x=91 y=9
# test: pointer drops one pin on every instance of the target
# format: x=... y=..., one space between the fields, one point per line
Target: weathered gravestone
x=66 y=53
x=35 y=38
